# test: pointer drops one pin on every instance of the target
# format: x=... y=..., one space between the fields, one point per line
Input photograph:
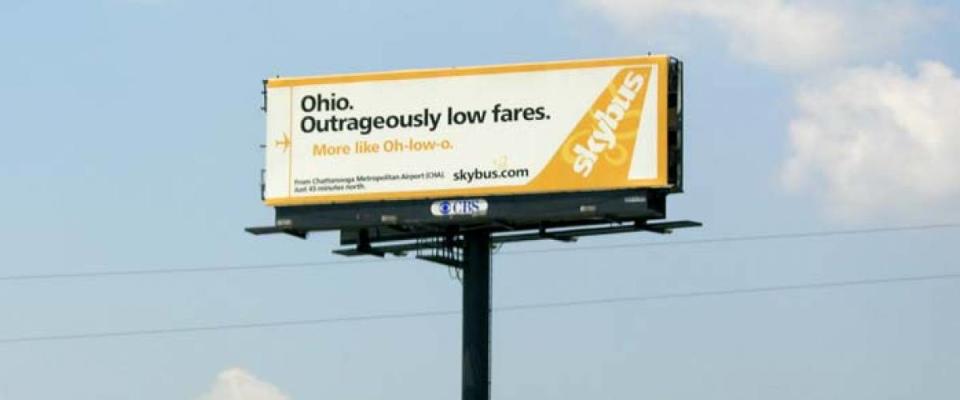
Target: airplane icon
x=285 y=143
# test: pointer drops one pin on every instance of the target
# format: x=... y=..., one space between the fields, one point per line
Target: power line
x=727 y=292
x=167 y=271
x=513 y=308
x=756 y=237
x=224 y=327
x=277 y=266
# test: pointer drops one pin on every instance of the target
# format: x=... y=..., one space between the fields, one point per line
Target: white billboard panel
x=569 y=126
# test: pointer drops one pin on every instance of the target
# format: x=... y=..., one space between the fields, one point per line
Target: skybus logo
x=604 y=132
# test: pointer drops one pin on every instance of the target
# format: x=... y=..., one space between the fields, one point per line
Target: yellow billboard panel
x=572 y=126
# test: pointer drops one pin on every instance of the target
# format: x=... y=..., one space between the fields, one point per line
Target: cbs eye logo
x=444 y=207
x=448 y=208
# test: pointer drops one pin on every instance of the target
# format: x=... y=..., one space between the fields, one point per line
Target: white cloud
x=868 y=141
x=879 y=141
x=785 y=35
x=238 y=384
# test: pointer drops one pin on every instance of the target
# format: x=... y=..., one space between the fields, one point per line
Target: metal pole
x=476 y=316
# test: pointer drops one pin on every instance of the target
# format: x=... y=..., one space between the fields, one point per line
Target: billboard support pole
x=476 y=315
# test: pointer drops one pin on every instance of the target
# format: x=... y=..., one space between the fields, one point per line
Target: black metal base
x=445 y=248
x=398 y=220
x=465 y=242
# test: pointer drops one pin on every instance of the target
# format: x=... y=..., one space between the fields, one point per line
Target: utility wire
x=277 y=266
x=754 y=238
x=513 y=308
x=170 y=271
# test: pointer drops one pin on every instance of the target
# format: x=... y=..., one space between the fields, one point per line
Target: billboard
x=571 y=126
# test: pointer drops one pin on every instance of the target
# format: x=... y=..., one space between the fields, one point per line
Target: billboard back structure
x=471 y=133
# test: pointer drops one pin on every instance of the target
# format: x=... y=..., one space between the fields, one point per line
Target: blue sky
x=131 y=142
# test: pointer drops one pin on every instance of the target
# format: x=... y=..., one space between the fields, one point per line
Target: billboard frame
x=668 y=123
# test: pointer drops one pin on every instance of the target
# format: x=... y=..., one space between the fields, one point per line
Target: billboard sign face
x=571 y=126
